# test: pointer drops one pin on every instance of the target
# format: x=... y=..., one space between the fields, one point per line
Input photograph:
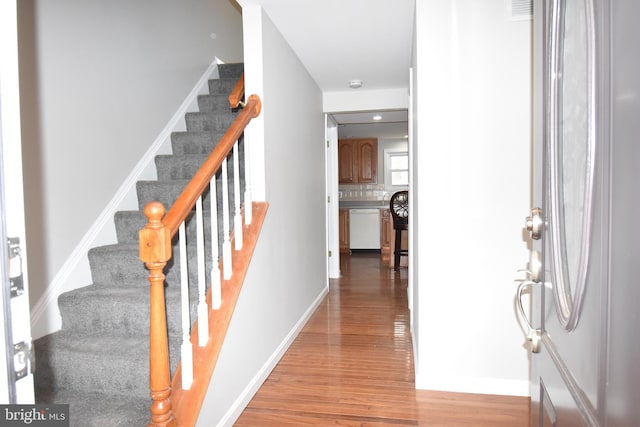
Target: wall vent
x=520 y=9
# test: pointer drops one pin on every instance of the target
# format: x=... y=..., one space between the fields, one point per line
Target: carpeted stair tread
x=120 y=308
x=195 y=142
x=172 y=167
x=231 y=70
x=128 y=224
x=100 y=410
x=213 y=103
x=120 y=265
x=199 y=122
x=165 y=192
x=102 y=362
x=178 y=167
x=222 y=86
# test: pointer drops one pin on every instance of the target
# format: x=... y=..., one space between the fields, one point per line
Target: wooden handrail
x=184 y=204
x=235 y=98
x=155 y=252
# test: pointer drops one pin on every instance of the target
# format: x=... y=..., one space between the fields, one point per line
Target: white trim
x=331 y=178
x=45 y=316
x=254 y=385
x=476 y=385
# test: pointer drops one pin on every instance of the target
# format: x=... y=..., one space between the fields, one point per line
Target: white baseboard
x=252 y=388
x=75 y=272
x=499 y=386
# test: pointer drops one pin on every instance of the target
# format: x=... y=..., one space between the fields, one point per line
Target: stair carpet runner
x=98 y=363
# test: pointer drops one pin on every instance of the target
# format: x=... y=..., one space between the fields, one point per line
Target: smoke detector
x=355 y=84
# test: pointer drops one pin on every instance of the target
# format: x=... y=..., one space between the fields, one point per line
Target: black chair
x=399 y=207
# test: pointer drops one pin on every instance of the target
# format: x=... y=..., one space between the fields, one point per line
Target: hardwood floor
x=352 y=365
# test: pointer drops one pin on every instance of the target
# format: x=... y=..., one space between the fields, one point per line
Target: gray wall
x=99 y=81
x=288 y=271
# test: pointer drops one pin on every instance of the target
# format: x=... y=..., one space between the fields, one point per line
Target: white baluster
x=203 y=313
x=248 y=207
x=226 y=244
x=237 y=218
x=216 y=286
x=186 y=348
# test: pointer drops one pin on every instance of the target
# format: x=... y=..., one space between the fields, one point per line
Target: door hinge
x=16 y=281
x=328 y=199
x=327 y=143
x=22 y=359
x=329 y=254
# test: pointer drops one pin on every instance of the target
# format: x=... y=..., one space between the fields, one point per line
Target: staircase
x=98 y=362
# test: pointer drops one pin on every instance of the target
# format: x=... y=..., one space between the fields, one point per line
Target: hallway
x=352 y=365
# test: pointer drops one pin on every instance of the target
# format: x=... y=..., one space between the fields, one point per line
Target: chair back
x=399 y=207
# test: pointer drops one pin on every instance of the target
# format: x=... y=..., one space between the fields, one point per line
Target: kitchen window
x=396 y=167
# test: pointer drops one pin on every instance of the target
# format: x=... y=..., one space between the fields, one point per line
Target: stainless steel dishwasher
x=364 y=228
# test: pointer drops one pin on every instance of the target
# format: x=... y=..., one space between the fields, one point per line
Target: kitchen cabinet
x=343 y=225
x=358 y=161
x=386 y=229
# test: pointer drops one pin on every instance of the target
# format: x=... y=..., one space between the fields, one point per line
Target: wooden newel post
x=155 y=251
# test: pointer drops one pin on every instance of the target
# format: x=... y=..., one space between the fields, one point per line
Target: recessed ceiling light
x=377 y=117
x=355 y=84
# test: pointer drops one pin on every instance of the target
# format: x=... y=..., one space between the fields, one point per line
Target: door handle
x=534 y=223
x=532 y=335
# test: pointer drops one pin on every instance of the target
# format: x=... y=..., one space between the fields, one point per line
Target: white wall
x=287 y=277
x=471 y=182
x=99 y=81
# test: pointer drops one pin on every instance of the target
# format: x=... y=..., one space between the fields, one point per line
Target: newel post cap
x=155 y=241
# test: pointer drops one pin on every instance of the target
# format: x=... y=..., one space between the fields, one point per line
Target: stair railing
x=237 y=93
x=156 y=251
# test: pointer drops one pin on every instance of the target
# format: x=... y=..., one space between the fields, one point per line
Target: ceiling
x=392 y=125
x=342 y=40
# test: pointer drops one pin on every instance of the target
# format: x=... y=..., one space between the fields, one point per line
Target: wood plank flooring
x=352 y=365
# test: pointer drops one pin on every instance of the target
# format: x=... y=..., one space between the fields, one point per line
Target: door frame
x=333 y=199
x=12 y=219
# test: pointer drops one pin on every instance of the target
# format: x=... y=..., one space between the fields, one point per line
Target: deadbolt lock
x=534 y=223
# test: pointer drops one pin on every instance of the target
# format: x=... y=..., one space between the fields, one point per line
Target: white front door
x=16 y=378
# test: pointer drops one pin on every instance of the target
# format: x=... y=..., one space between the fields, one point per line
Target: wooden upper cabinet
x=367 y=156
x=358 y=161
x=347 y=161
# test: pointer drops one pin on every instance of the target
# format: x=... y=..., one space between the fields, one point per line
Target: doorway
x=382 y=136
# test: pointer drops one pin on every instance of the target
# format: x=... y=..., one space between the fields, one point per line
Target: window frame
x=389 y=153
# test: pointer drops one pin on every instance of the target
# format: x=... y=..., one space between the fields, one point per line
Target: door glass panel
x=574 y=138
x=571 y=153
